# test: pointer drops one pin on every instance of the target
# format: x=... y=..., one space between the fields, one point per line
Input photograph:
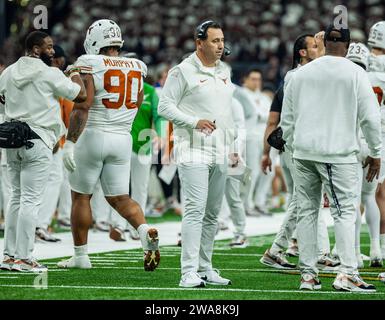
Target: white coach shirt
x=31 y=90
x=325 y=103
x=193 y=92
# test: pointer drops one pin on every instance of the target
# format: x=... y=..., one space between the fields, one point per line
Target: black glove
x=275 y=139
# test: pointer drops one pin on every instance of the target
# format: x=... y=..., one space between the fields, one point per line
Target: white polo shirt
x=32 y=90
x=193 y=92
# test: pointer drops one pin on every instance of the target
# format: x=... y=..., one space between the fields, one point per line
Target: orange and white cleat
x=152 y=255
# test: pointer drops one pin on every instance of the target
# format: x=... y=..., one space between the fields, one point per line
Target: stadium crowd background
x=260 y=32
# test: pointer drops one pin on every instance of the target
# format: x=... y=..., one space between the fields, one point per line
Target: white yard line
x=99 y=242
x=191 y=289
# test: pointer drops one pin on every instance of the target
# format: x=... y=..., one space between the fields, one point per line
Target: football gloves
x=68 y=156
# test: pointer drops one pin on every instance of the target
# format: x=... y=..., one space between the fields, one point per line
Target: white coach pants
x=5 y=188
x=234 y=201
x=290 y=221
x=253 y=158
x=203 y=187
x=52 y=191
x=309 y=177
x=65 y=200
x=28 y=171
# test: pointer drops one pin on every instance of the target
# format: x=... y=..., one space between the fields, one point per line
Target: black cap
x=59 y=52
x=344 y=34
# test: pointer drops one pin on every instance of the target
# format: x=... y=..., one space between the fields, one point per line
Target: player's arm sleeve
x=276 y=105
x=85 y=63
x=369 y=116
x=287 y=116
x=63 y=86
x=170 y=97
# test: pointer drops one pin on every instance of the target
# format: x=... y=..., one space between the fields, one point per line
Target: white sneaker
x=277 y=260
x=7 y=263
x=326 y=262
x=24 y=265
x=64 y=223
x=213 y=277
x=134 y=234
x=117 y=234
x=42 y=235
x=81 y=262
x=239 y=242
x=191 y=280
x=102 y=226
x=352 y=283
x=309 y=282
x=292 y=251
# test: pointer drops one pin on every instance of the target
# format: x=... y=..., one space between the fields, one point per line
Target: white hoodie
x=193 y=92
x=31 y=90
x=325 y=103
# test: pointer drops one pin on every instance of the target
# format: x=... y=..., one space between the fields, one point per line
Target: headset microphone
x=201 y=33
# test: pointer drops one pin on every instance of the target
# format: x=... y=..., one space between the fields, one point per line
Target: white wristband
x=74 y=74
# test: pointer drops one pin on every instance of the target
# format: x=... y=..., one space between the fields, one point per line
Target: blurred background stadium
x=260 y=32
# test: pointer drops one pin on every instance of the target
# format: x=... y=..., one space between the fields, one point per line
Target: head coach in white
x=197 y=98
x=325 y=104
x=31 y=89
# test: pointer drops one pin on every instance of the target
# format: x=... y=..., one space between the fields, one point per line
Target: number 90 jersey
x=377 y=80
x=118 y=82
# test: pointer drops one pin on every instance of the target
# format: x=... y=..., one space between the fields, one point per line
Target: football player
x=376 y=43
x=359 y=54
x=99 y=144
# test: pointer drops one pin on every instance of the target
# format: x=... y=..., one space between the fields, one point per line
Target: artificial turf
x=120 y=275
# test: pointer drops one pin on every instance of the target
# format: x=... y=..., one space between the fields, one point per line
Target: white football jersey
x=377 y=79
x=118 y=81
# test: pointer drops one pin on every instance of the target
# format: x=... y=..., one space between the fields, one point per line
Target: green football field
x=120 y=275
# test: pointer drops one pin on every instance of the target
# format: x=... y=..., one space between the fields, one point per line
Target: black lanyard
x=335 y=199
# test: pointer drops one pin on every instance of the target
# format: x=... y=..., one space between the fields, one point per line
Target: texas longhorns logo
x=224 y=80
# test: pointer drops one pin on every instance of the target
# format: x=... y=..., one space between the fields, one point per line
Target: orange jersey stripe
x=66 y=107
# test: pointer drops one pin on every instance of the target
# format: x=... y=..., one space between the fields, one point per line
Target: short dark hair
x=35 y=38
x=59 y=52
x=250 y=71
x=299 y=44
x=201 y=30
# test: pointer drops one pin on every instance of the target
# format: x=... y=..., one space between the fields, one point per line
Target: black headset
x=201 y=33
